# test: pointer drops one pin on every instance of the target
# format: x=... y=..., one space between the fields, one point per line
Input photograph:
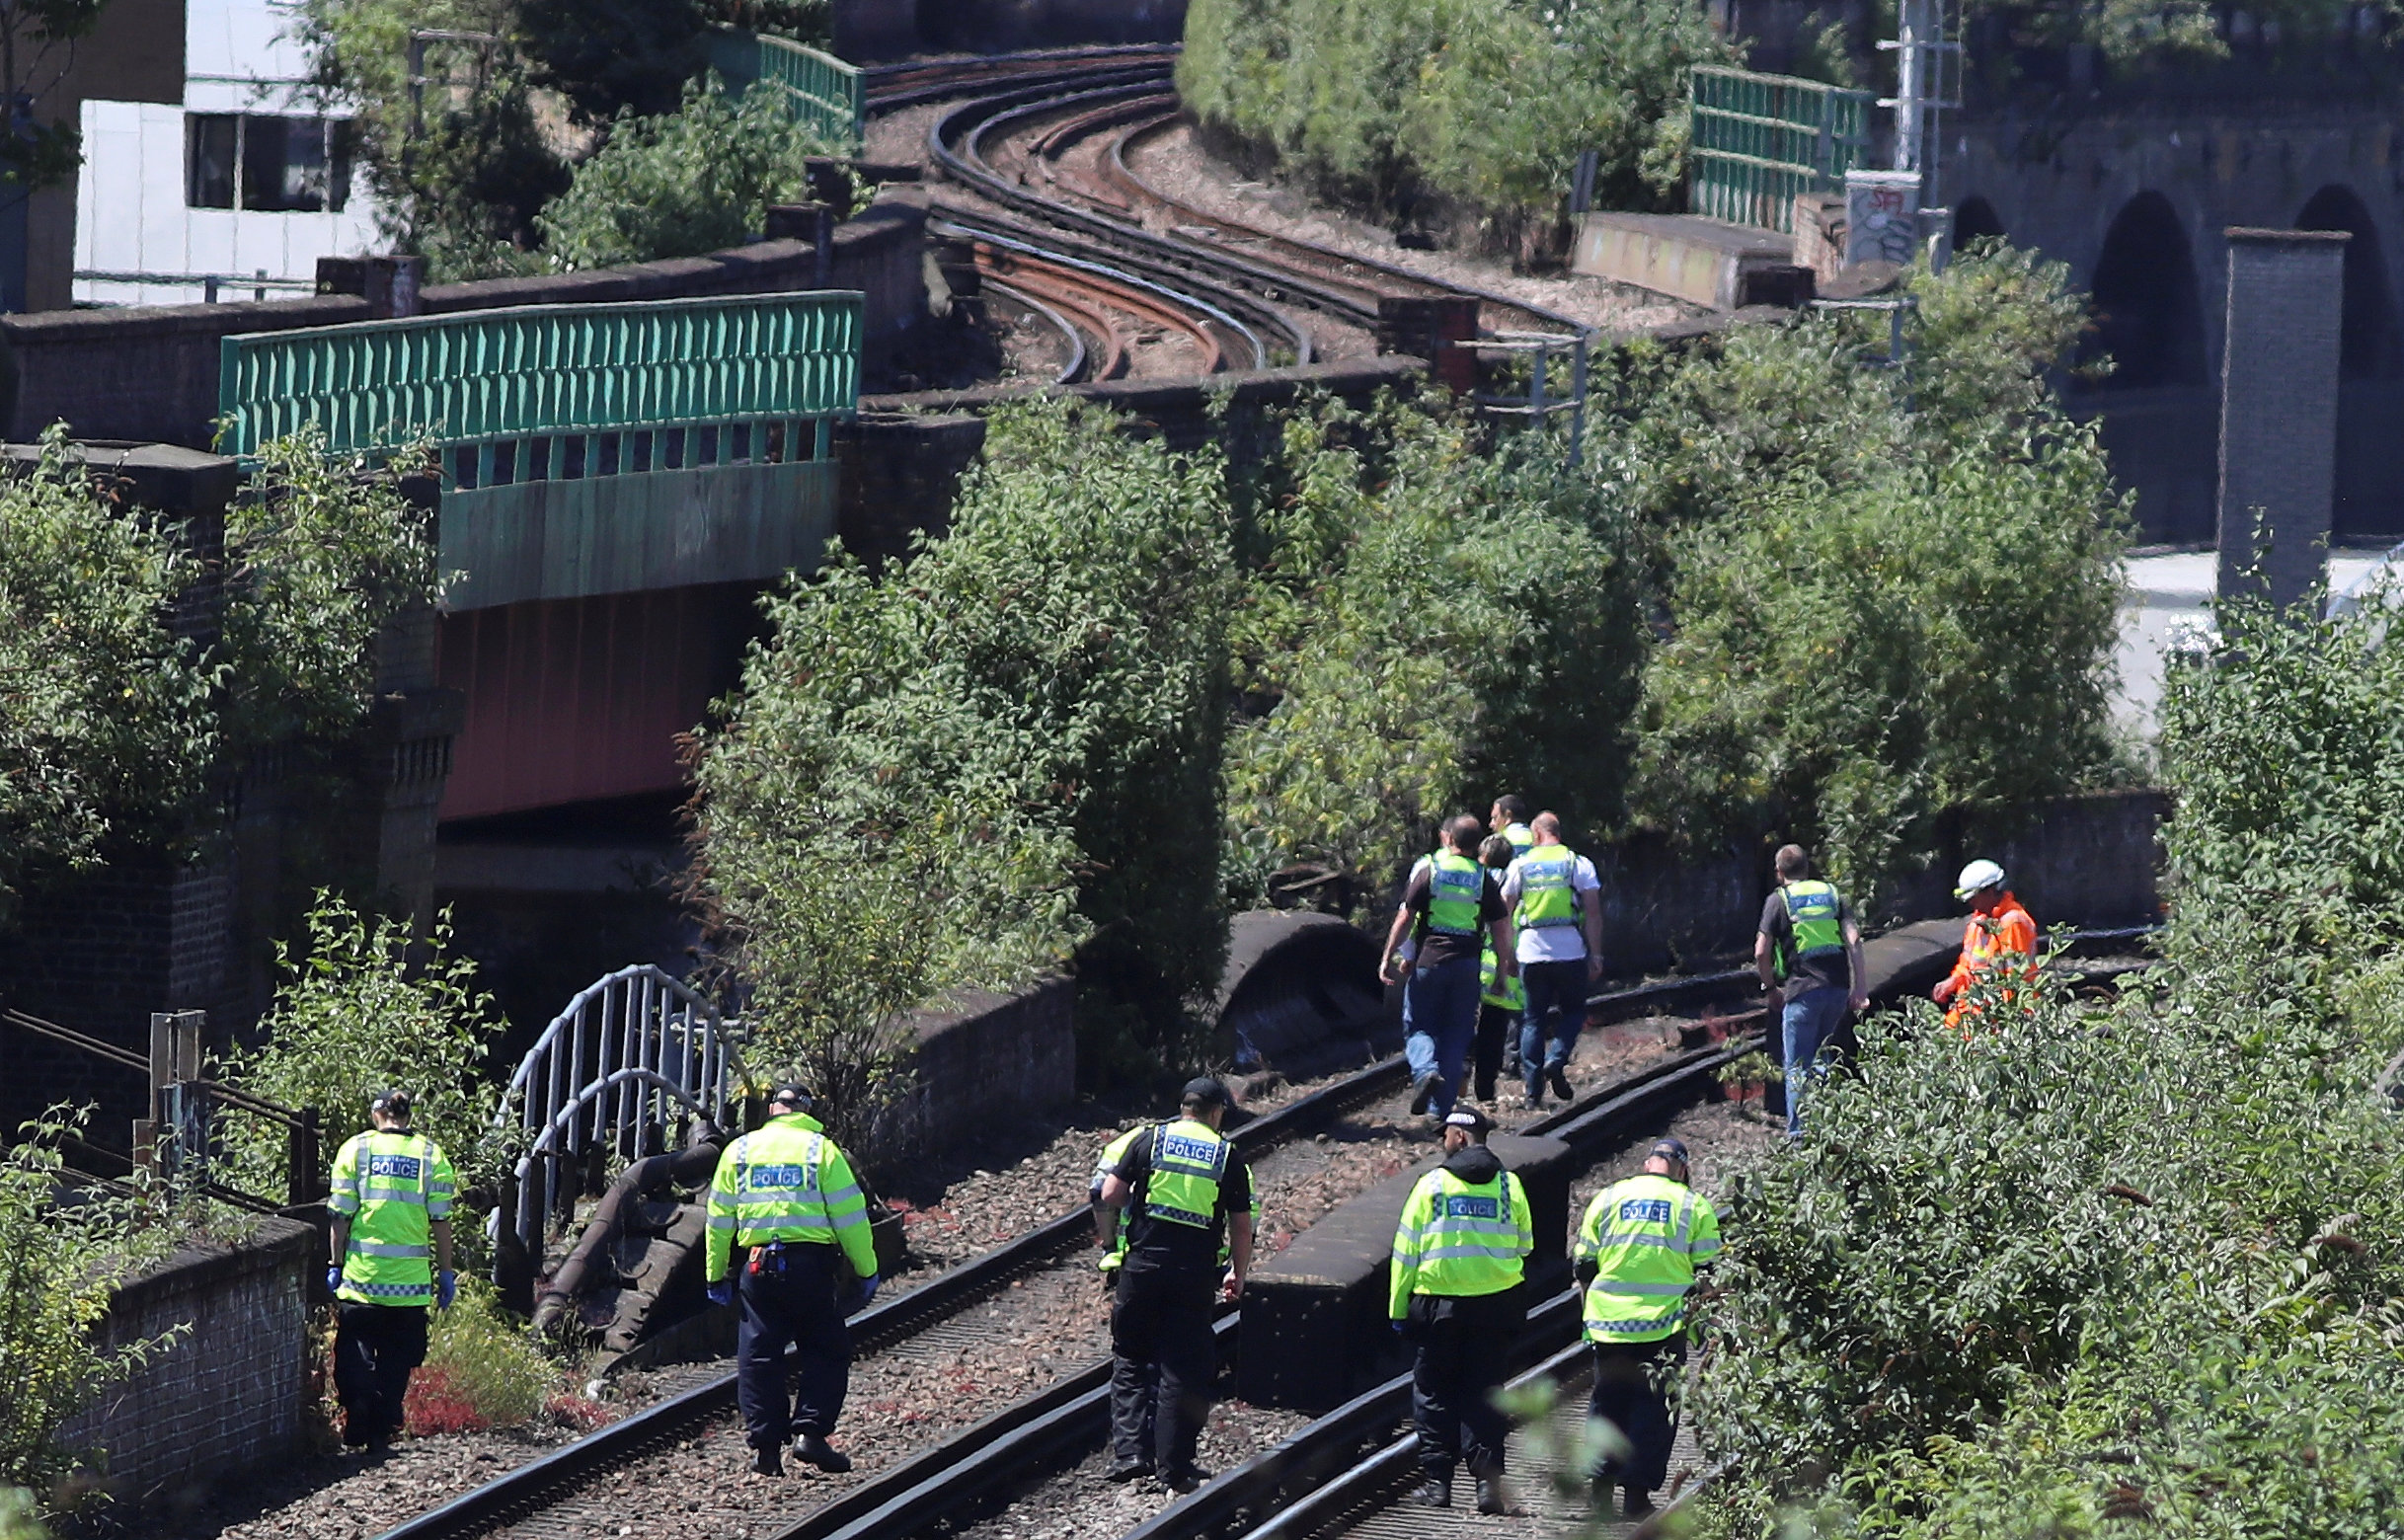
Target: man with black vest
x=1183 y=1186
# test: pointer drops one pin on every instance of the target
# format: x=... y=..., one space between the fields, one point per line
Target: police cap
x=393 y=1100
x=1469 y=1118
x=793 y=1094
x=1206 y=1091
x=1670 y=1149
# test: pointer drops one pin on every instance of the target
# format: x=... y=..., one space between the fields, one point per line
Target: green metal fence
x=1759 y=140
x=550 y=392
x=818 y=89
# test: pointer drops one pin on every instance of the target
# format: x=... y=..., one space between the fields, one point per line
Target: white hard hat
x=1978 y=877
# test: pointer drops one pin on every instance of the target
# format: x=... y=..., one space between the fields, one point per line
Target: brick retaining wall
x=229 y=1392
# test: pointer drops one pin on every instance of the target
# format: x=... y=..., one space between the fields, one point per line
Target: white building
x=247 y=179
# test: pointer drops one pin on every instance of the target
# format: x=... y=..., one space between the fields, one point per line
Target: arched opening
x=1975 y=220
x=2368 y=347
x=2148 y=317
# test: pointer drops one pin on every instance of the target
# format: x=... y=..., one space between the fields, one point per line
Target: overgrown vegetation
x=1422 y=623
x=358 y=1009
x=118 y=724
x=1886 y=593
x=59 y=1261
x=1008 y=743
x=2128 y=1268
x=696 y=180
x=1484 y=105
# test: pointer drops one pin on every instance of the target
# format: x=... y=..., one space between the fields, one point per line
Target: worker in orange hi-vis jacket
x=2000 y=935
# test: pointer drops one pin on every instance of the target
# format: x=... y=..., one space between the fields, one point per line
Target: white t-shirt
x=1551 y=943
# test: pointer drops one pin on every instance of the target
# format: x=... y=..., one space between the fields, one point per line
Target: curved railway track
x=937 y=1491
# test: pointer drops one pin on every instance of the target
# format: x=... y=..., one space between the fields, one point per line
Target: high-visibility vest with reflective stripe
x=1811 y=911
x=1114 y=1256
x=1523 y=838
x=1548 y=892
x=1646 y=1236
x=1459 y=1238
x=787 y=1181
x=1512 y=993
x=392 y=1187
x=1188 y=1162
x=1457 y=890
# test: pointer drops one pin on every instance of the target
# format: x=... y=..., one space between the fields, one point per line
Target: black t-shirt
x=1828 y=969
x=1438 y=946
x=1164 y=1243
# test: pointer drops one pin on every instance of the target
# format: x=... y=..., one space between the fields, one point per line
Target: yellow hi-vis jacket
x=1646 y=1236
x=393 y=1188
x=787 y=1181
x=1115 y=1255
x=1459 y=1238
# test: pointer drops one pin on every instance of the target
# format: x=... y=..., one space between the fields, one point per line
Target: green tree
x=693 y=180
x=1013 y=736
x=1887 y=593
x=355 y=1014
x=107 y=731
x=61 y=1259
x=1425 y=624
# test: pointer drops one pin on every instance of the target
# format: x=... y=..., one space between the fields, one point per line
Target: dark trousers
x=1163 y=1360
x=1496 y=1026
x=1463 y=1345
x=1633 y=1382
x=1555 y=1010
x=791 y=1300
x=374 y=1349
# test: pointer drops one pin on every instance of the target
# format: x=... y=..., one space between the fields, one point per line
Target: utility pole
x=1920 y=46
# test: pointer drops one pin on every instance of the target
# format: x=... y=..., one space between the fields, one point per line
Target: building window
x=269 y=162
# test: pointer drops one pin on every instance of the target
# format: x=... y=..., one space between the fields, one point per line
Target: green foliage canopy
x=1887 y=593
x=1008 y=742
x=1485 y=102
x=693 y=180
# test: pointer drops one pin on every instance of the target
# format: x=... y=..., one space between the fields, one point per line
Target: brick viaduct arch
x=2135 y=202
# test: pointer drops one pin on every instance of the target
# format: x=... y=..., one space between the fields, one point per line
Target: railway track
x=941 y=1489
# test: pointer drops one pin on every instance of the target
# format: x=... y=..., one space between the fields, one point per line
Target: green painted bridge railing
x=1760 y=140
x=827 y=94
x=585 y=449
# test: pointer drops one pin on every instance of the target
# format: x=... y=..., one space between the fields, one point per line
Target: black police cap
x=793 y=1094
x=395 y=1101
x=1207 y=1091
x=1671 y=1149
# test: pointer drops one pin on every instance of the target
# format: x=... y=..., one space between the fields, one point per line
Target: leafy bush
x=1889 y=592
x=105 y=724
x=693 y=180
x=62 y=1252
x=1487 y=103
x=1425 y=623
x=481 y=1371
x=353 y=1015
x=1008 y=742
x=2134 y=1263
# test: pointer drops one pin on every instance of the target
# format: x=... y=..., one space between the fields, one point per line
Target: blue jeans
x=1809 y=1021
x=1439 y=1016
x=1556 y=1010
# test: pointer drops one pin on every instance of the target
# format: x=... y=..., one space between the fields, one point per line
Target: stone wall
x=230 y=1392
x=151 y=372
x=979 y=1051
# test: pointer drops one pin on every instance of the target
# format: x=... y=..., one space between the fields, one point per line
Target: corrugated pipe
x=687 y=1166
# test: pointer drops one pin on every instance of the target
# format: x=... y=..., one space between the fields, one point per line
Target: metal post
x=1578 y=385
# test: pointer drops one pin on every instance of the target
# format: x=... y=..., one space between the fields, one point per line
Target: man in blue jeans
x=1556 y=911
x=1451 y=904
x=1808 y=954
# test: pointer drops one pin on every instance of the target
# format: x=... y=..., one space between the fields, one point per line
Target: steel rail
x=1074 y=1411
x=1068 y=329
x=1114 y=275
x=909 y=83
x=532 y=1487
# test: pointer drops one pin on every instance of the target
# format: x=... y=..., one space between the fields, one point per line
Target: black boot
x=1639 y=1503
x=1559 y=1076
x=813 y=1450
x=1492 y=1499
x=1435 y=1491
x=767 y=1462
x=1424 y=1092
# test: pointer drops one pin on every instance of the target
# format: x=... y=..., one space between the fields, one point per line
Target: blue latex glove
x=868 y=1290
x=334 y=1280
x=722 y=1292
x=1402 y=1328
x=446 y=1290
